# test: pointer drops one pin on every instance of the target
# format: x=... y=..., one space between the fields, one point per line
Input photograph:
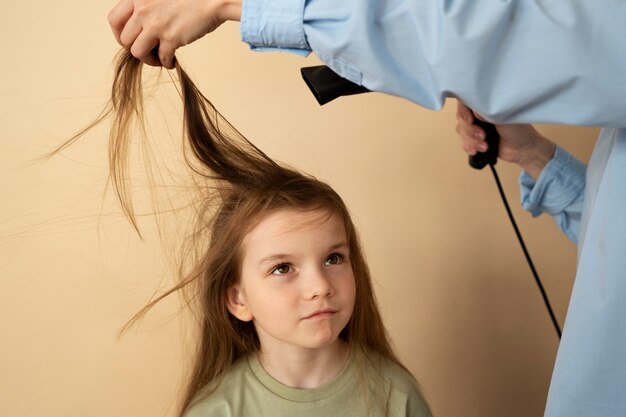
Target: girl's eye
x=281 y=269
x=333 y=259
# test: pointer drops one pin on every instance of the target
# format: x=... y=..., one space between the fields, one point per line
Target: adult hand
x=519 y=143
x=146 y=26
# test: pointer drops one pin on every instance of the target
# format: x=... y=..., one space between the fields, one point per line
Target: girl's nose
x=318 y=284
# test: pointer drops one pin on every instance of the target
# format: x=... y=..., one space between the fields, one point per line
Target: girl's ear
x=236 y=303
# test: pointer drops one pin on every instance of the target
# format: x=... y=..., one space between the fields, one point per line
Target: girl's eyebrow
x=273 y=258
x=341 y=245
x=282 y=256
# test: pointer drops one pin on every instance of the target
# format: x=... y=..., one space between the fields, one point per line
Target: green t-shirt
x=247 y=390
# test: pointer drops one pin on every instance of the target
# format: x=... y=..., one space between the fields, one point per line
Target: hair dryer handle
x=481 y=159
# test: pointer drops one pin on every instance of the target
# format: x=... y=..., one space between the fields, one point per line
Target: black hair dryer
x=326 y=86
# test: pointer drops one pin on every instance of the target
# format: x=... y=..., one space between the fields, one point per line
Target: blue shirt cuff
x=274 y=25
x=560 y=183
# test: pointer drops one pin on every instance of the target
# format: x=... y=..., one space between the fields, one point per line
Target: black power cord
x=490 y=158
x=526 y=254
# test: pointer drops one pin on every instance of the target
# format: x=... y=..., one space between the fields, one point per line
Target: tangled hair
x=247 y=185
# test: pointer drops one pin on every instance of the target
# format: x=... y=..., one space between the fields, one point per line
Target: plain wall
x=457 y=296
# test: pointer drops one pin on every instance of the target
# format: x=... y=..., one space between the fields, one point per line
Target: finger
x=131 y=31
x=470 y=142
x=142 y=49
x=470 y=150
x=166 y=54
x=481 y=146
x=463 y=130
x=464 y=113
x=472 y=147
x=470 y=132
x=118 y=16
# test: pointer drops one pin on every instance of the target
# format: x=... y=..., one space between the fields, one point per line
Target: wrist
x=230 y=10
x=535 y=159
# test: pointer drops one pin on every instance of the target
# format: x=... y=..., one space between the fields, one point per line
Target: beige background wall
x=457 y=296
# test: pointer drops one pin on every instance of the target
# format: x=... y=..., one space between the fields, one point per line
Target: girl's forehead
x=285 y=224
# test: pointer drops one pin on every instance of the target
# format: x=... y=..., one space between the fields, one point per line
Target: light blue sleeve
x=559 y=191
x=522 y=61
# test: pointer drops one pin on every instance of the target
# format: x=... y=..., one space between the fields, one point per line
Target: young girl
x=289 y=325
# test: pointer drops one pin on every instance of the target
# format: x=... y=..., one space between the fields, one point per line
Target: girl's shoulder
x=218 y=398
x=391 y=371
x=405 y=396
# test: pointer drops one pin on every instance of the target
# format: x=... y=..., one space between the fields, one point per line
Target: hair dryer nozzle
x=326 y=85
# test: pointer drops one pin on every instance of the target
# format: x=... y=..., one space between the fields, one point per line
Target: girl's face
x=297 y=284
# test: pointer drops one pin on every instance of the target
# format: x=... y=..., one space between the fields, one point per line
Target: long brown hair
x=245 y=185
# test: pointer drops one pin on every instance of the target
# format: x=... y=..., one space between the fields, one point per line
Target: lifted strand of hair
x=125 y=105
x=229 y=158
x=236 y=185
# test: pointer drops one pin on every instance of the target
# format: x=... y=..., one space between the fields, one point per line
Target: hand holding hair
x=519 y=143
x=154 y=29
